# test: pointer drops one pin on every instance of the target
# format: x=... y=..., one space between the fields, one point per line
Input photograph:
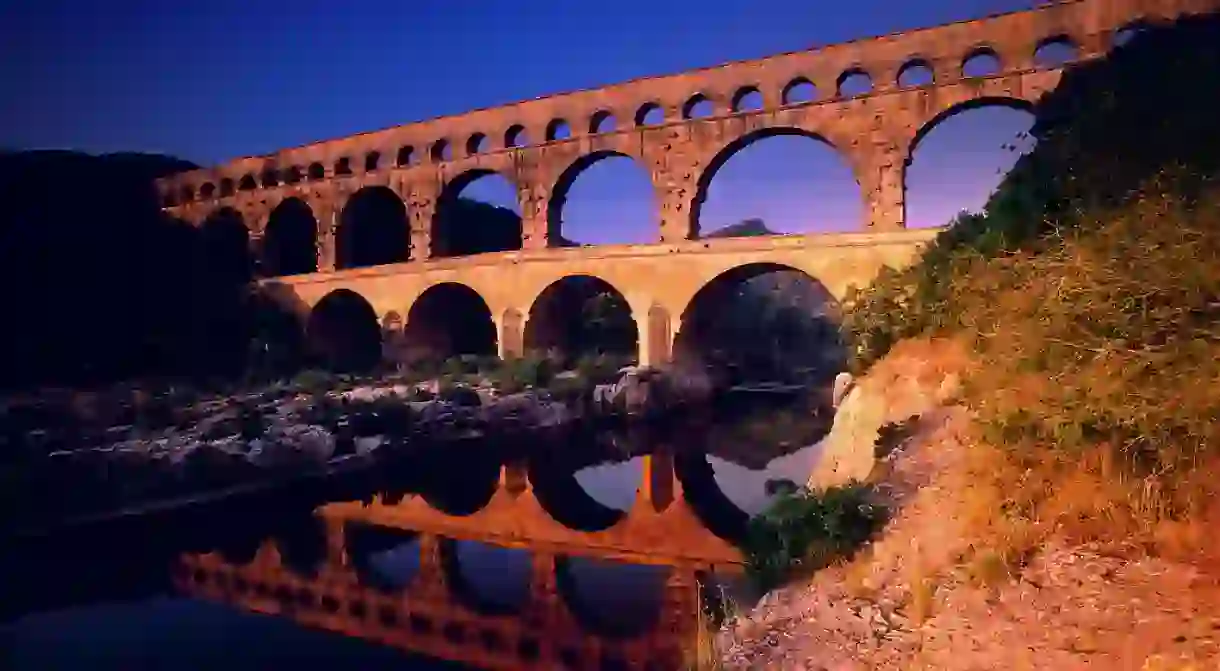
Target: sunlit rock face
x=911 y=381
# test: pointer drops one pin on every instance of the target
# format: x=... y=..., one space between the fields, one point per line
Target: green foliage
x=803 y=531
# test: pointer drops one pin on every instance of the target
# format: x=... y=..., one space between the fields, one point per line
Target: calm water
x=180 y=634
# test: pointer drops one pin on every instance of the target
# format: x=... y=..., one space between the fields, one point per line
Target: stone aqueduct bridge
x=419 y=166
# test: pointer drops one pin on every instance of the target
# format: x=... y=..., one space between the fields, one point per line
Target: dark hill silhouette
x=745 y=228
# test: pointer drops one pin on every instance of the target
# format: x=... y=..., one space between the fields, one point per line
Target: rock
x=842 y=385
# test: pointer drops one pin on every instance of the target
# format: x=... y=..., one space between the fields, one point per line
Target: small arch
x=187 y=193
x=207 y=191
x=515 y=136
x=247 y=183
x=799 y=90
x=476 y=225
x=764 y=321
x=981 y=61
x=916 y=72
x=226 y=187
x=373 y=229
x=317 y=171
x=294 y=175
x=169 y=199
x=1056 y=51
x=476 y=144
x=602 y=121
x=558 y=129
x=581 y=315
x=698 y=106
x=290 y=241
x=747 y=99
x=372 y=161
x=1123 y=36
x=343 y=166
x=405 y=156
x=342 y=332
x=649 y=114
x=270 y=178
x=854 y=82
x=447 y=320
x=441 y=151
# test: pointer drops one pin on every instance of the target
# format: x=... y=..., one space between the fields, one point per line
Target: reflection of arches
x=301 y=541
x=563 y=498
x=732 y=149
x=290 y=242
x=563 y=188
x=709 y=503
x=459 y=483
x=449 y=319
x=343 y=331
x=465 y=586
x=581 y=314
x=765 y=320
x=226 y=245
x=384 y=558
x=464 y=226
x=627 y=618
x=373 y=229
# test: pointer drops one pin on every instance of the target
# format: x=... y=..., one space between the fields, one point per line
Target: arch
x=762 y=321
x=733 y=148
x=608 y=612
x=855 y=81
x=981 y=61
x=270 y=178
x=916 y=71
x=405 y=156
x=226 y=246
x=440 y=151
x=342 y=332
x=373 y=229
x=278 y=329
x=294 y=175
x=169 y=199
x=187 y=193
x=515 y=136
x=558 y=129
x=247 y=183
x=581 y=315
x=483 y=586
x=465 y=225
x=698 y=106
x=798 y=91
x=747 y=99
x=207 y=191
x=290 y=241
x=476 y=144
x=649 y=114
x=602 y=121
x=644 y=221
x=1055 y=51
x=448 y=320
x=962 y=166
x=372 y=161
x=226 y=187
x=316 y=171
x=343 y=166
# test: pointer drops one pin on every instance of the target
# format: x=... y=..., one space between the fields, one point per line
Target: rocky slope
x=911 y=601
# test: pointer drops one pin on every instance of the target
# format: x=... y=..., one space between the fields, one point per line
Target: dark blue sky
x=208 y=81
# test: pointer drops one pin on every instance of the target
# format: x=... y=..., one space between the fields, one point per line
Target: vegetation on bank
x=1089 y=290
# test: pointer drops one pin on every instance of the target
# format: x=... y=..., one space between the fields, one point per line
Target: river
x=169 y=632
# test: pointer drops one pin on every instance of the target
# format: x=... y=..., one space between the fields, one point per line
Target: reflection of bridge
x=323 y=587
x=312 y=209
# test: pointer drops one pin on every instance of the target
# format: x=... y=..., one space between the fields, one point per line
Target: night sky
x=209 y=81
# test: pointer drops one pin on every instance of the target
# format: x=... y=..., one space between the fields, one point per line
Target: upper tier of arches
x=1085 y=28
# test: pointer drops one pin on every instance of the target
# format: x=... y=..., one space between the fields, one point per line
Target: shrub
x=803 y=531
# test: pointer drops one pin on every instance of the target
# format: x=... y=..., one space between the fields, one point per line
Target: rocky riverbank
x=925 y=595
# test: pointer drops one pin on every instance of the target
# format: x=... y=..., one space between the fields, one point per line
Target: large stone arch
x=951 y=108
x=562 y=186
x=557 y=321
x=448 y=319
x=372 y=229
x=762 y=328
x=290 y=239
x=461 y=227
x=343 y=331
x=721 y=155
x=225 y=245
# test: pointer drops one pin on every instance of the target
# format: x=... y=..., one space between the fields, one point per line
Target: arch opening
x=373 y=230
x=489 y=579
x=604 y=198
x=776 y=181
x=441 y=151
x=372 y=161
x=277 y=334
x=799 y=90
x=226 y=247
x=342 y=332
x=447 y=320
x=317 y=171
x=558 y=129
x=516 y=136
x=854 y=82
x=406 y=156
x=477 y=144
x=294 y=175
x=747 y=99
x=602 y=122
x=915 y=72
x=698 y=106
x=580 y=316
x=981 y=62
x=384 y=558
x=477 y=213
x=961 y=156
x=763 y=322
x=1056 y=52
x=247 y=183
x=290 y=241
x=611 y=598
x=650 y=114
